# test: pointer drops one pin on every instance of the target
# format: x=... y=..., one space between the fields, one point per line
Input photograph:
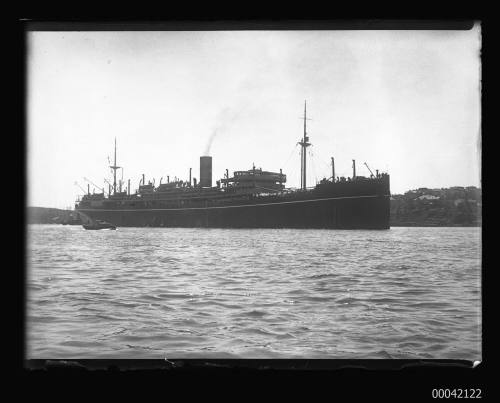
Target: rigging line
x=313 y=168
x=290 y=173
x=294 y=168
x=290 y=156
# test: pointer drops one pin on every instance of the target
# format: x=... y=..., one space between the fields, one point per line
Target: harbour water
x=221 y=293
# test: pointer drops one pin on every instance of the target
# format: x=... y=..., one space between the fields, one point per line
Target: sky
x=405 y=102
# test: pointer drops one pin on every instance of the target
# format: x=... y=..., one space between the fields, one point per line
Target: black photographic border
x=368 y=378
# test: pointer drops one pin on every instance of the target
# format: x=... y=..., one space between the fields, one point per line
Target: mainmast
x=303 y=160
x=114 y=168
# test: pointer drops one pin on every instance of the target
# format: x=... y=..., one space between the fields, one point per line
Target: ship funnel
x=206 y=171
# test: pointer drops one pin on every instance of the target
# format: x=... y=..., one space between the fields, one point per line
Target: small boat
x=99 y=224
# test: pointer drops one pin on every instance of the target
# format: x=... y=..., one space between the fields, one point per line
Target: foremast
x=304 y=143
x=114 y=168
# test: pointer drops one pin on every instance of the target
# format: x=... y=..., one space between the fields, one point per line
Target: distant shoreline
x=436 y=226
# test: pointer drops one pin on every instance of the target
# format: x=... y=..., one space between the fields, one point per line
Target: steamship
x=248 y=199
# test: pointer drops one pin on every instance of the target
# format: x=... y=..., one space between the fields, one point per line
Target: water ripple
x=214 y=293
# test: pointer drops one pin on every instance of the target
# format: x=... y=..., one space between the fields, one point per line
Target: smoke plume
x=209 y=142
x=223 y=122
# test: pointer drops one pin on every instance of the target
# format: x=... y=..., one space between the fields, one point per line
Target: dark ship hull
x=349 y=205
x=356 y=213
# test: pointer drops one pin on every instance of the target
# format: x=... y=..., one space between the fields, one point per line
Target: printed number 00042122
x=456 y=393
